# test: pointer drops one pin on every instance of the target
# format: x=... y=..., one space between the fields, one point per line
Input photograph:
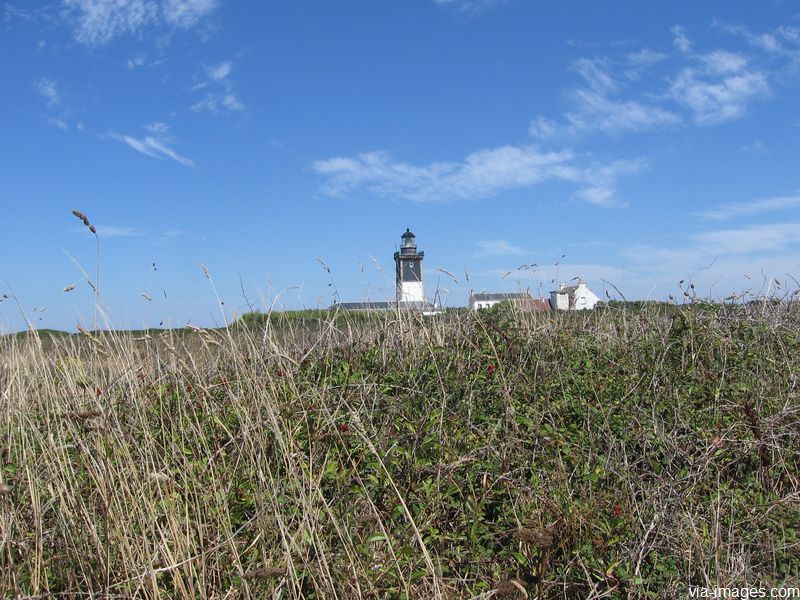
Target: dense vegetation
x=629 y=452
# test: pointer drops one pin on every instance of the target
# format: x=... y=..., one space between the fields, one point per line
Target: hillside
x=620 y=453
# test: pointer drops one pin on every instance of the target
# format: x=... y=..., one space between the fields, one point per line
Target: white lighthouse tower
x=410 y=287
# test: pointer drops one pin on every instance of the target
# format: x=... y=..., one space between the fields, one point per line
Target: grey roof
x=365 y=305
x=510 y=296
x=408 y=233
x=383 y=305
x=568 y=289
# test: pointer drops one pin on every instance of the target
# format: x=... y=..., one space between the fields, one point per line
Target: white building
x=523 y=301
x=573 y=297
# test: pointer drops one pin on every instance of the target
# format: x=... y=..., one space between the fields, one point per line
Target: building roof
x=408 y=234
x=566 y=289
x=483 y=297
x=535 y=304
x=365 y=305
x=415 y=305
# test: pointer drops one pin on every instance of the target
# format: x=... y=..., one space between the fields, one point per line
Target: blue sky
x=633 y=144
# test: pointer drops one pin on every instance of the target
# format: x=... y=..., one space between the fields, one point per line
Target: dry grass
x=619 y=453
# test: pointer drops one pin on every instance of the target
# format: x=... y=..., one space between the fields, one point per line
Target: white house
x=522 y=301
x=573 y=297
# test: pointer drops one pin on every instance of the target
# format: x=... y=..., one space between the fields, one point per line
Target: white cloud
x=756 y=147
x=596 y=75
x=748 y=240
x=57 y=115
x=470 y=6
x=136 y=61
x=597 y=113
x=60 y=123
x=768 y=42
x=115 y=231
x=722 y=61
x=220 y=96
x=158 y=144
x=645 y=57
x=718 y=262
x=48 y=89
x=715 y=96
x=600 y=181
x=744 y=260
x=679 y=39
x=481 y=174
x=738 y=209
x=219 y=72
x=97 y=22
x=791 y=34
x=187 y=13
x=157 y=128
x=219 y=103
x=497 y=248
x=598 y=109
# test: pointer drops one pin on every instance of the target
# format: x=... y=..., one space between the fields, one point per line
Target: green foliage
x=632 y=451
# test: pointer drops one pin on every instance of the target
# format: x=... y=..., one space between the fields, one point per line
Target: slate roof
x=383 y=305
x=365 y=305
x=567 y=289
x=482 y=297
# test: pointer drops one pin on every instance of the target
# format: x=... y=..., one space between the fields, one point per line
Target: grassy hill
x=627 y=452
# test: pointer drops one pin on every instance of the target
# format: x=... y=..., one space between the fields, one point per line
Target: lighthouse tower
x=410 y=288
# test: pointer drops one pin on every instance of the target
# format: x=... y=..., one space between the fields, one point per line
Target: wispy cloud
x=46 y=14
x=220 y=72
x=48 y=89
x=721 y=91
x=470 y=6
x=679 y=39
x=647 y=91
x=645 y=57
x=187 y=13
x=598 y=108
x=158 y=144
x=481 y=174
x=600 y=181
x=485 y=248
x=136 y=61
x=753 y=239
x=739 y=209
x=220 y=96
x=718 y=261
x=109 y=231
x=97 y=22
x=781 y=40
x=596 y=112
x=219 y=103
x=118 y=231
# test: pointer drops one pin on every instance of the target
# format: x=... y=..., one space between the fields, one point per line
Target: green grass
x=628 y=452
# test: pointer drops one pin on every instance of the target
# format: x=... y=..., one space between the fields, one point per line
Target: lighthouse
x=410 y=286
